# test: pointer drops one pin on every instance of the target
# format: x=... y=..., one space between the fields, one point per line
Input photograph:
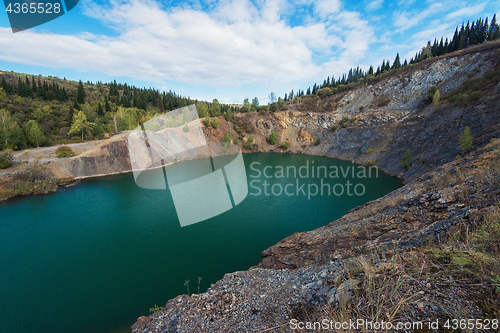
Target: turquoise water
x=94 y=257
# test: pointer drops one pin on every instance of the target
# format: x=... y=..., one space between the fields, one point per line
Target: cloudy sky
x=229 y=49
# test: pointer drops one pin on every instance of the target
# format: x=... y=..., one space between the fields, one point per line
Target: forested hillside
x=39 y=111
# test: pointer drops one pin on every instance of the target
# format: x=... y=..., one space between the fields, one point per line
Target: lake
x=95 y=257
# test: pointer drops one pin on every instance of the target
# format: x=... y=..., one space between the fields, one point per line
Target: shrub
x=324 y=92
x=436 y=98
x=406 y=160
x=344 y=122
x=371 y=163
x=369 y=150
x=273 y=138
x=227 y=137
x=235 y=140
x=334 y=128
x=465 y=139
x=431 y=92
x=206 y=122
x=353 y=119
x=215 y=123
x=249 y=143
x=76 y=139
x=186 y=128
x=285 y=145
x=64 y=151
x=6 y=158
x=318 y=141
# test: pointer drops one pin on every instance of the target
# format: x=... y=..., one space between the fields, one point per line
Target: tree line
x=469 y=34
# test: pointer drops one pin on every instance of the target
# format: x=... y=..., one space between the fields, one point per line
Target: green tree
x=80 y=124
x=214 y=109
x=35 y=134
x=228 y=115
x=207 y=120
x=98 y=128
x=6 y=158
x=255 y=103
x=436 y=98
x=186 y=128
x=397 y=62
x=227 y=137
x=407 y=160
x=249 y=143
x=215 y=123
x=272 y=98
x=100 y=111
x=318 y=141
x=273 y=138
x=9 y=131
x=202 y=109
x=466 y=140
x=80 y=94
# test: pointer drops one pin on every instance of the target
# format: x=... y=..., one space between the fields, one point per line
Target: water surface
x=94 y=257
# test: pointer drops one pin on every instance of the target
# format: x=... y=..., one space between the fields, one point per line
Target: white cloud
x=374 y=5
x=324 y=8
x=405 y=21
x=467 y=11
x=235 y=44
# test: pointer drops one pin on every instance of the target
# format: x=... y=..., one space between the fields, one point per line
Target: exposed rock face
x=308 y=270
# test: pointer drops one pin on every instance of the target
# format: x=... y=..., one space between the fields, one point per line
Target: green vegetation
x=344 y=122
x=407 y=160
x=186 y=128
x=249 y=144
x=285 y=145
x=334 y=127
x=6 y=159
x=235 y=140
x=273 y=138
x=64 y=151
x=318 y=141
x=206 y=122
x=436 y=98
x=215 y=123
x=227 y=137
x=473 y=89
x=466 y=140
x=155 y=308
x=369 y=150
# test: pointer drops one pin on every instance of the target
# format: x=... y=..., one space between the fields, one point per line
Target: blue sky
x=229 y=49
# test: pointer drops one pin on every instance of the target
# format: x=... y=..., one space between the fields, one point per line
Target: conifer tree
x=397 y=62
x=80 y=94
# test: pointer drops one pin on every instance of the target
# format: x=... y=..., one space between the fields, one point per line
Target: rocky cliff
x=427 y=251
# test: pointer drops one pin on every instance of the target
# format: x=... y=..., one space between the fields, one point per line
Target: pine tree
x=76 y=106
x=370 y=71
x=494 y=31
x=100 y=111
x=80 y=94
x=397 y=62
x=273 y=138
